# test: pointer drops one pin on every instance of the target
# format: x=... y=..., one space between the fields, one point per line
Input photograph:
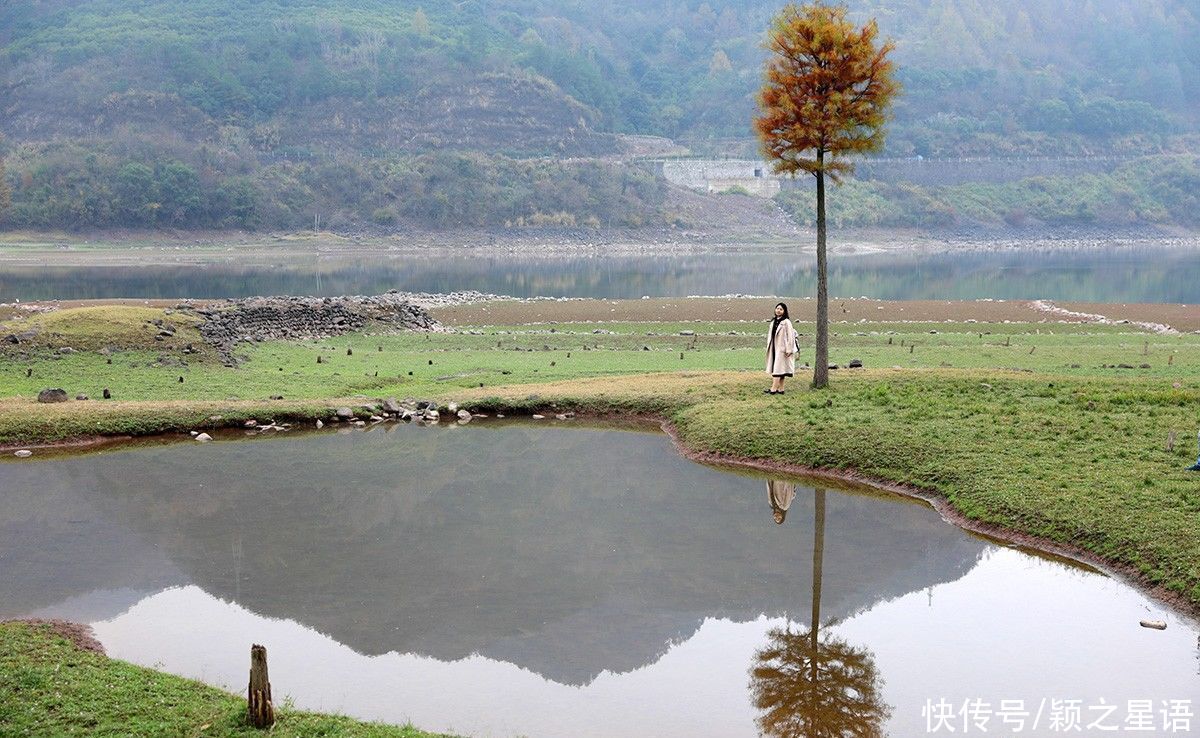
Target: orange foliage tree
x=828 y=91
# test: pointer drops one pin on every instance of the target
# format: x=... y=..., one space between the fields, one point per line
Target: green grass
x=49 y=687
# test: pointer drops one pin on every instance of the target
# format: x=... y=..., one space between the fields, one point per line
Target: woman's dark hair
x=785 y=312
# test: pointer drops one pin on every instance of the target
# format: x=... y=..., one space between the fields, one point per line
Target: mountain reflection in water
x=584 y=578
x=566 y=552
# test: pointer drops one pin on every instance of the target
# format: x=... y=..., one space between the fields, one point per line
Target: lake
x=506 y=579
x=1113 y=272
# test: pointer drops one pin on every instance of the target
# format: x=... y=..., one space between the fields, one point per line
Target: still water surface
x=1113 y=273
x=543 y=581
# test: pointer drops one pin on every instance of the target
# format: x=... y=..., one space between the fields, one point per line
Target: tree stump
x=261 y=709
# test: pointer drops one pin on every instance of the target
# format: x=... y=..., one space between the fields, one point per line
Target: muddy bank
x=841 y=311
x=79 y=634
x=763 y=231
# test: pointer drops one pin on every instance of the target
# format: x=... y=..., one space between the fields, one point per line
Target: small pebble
x=23 y=453
x=1155 y=624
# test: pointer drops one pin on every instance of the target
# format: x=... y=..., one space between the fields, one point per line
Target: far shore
x=151 y=247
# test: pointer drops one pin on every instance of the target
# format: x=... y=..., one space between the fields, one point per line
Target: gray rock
x=320 y=424
x=203 y=438
x=464 y=415
x=537 y=417
x=390 y=405
x=23 y=453
x=81 y=397
x=856 y=363
x=52 y=395
x=344 y=413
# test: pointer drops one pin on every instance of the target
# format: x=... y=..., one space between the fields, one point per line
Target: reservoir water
x=1117 y=272
x=487 y=580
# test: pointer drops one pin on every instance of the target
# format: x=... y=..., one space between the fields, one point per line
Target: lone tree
x=829 y=86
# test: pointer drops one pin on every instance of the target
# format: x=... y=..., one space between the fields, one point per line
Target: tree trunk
x=262 y=711
x=821 y=362
x=818 y=566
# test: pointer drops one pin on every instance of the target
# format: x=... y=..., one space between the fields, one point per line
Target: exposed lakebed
x=505 y=579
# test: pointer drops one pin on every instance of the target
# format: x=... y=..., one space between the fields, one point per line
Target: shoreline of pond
x=234 y=429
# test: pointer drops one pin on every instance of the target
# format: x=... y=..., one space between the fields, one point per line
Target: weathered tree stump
x=261 y=709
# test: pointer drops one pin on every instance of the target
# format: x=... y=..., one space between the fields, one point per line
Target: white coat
x=781 y=353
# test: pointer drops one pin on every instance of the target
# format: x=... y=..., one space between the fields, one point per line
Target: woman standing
x=781 y=350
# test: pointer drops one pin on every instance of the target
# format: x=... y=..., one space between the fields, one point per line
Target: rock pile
x=258 y=319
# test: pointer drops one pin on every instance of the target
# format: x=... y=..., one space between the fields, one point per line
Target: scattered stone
x=194 y=433
x=687 y=333
x=52 y=395
x=66 y=350
x=560 y=416
x=1155 y=624
x=250 y=423
x=23 y=453
x=344 y=413
x=320 y=424
x=856 y=363
x=376 y=419
x=499 y=415
x=463 y=415
x=203 y=438
x=538 y=417
x=81 y=397
x=258 y=319
x=360 y=423
x=390 y=405
x=432 y=414
x=452 y=407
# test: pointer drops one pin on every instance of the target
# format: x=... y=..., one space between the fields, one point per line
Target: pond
x=1115 y=272
x=545 y=580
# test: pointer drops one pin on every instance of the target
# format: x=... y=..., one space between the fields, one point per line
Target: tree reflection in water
x=808 y=686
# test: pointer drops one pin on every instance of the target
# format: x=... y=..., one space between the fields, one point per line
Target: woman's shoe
x=780 y=392
x=768 y=392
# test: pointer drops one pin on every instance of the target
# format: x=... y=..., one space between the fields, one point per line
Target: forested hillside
x=214 y=113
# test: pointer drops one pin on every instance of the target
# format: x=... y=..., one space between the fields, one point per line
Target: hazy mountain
x=214 y=112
